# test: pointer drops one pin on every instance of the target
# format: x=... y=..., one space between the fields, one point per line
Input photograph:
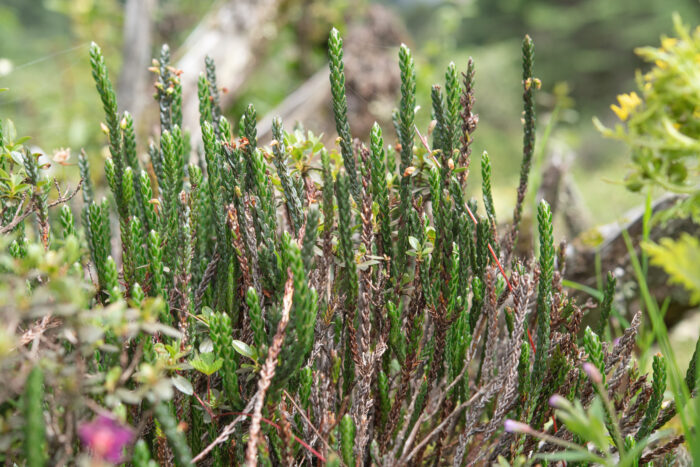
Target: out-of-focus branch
x=134 y=78
x=21 y=215
x=233 y=35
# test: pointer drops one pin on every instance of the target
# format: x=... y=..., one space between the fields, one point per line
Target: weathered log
x=372 y=78
x=614 y=256
x=234 y=34
x=134 y=79
x=558 y=188
x=303 y=105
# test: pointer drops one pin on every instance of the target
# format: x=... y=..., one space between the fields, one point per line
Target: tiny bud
x=122 y=124
x=512 y=426
x=409 y=171
x=592 y=372
x=431 y=127
x=558 y=402
x=451 y=163
x=104 y=128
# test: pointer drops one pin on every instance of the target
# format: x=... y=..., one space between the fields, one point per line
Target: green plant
x=371 y=310
x=659 y=125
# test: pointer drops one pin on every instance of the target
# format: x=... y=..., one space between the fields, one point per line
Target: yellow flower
x=628 y=102
x=668 y=43
x=661 y=64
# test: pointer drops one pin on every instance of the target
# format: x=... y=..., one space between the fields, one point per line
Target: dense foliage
x=293 y=304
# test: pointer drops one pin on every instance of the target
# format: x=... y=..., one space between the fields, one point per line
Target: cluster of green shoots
x=296 y=304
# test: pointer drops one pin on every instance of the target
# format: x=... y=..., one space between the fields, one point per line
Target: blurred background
x=273 y=53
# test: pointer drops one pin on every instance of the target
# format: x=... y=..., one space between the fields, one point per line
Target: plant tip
x=558 y=402
x=514 y=426
x=592 y=372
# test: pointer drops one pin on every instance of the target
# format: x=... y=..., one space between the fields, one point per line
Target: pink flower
x=558 y=402
x=61 y=156
x=106 y=437
x=512 y=426
x=592 y=372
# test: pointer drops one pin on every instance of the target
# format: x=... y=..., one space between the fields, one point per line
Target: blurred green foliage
x=44 y=66
x=43 y=61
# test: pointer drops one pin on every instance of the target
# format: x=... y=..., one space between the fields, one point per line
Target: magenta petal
x=106 y=437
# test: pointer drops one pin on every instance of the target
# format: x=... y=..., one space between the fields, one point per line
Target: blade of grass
x=597 y=294
x=646 y=229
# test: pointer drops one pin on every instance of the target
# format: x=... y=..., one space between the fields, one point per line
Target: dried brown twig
x=40 y=327
x=662 y=450
x=268 y=371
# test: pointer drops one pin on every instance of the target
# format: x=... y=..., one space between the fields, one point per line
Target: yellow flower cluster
x=628 y=102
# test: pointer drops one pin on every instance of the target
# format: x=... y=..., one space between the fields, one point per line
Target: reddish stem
x=471 y=214
x=493 y=253
x=532 y=343
x=205 y=406
x=498 y=263
x=273 y=424
x=208 y=389
x=299 y=440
